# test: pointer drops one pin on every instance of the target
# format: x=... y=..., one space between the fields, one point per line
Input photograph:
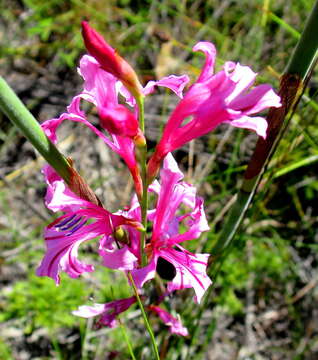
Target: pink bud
x=119 y=121
x=109 y=60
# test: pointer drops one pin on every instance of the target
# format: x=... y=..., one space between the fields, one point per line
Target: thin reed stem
x=144 y=199
x=292 y=84
x=21 y=117
x=144 y=315
x=127 y=339
x=295 y=76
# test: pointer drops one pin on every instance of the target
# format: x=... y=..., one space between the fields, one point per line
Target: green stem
x=306 y=48
x=144 y=206
x=144 y=199
x=21 y=117
x=144 y=315
x=292 y=82
x=127 y=339
x=140 y=102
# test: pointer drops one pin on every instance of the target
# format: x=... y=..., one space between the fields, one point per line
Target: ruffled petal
x=172 y=82
x=196 y=223
x=62 y=241
x=87 y=311
x=144 y=274
x=190 y=271
x=174 y=324
x=50 y=127
x=243 y=78
x=210 y=52
x=169 y=198
x=98 y=84
x=108 y=311
x=258 y=99
x=256 y=123
x=58 y=196
x=119 y=259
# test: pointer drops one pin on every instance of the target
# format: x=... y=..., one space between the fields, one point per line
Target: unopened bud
x=109 y=60
x=119 y=121
x=121 y=235
x=139 y=139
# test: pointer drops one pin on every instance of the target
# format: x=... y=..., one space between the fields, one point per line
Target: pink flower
x=81 y=222
x=175 y=324
x=100 y=90
x=214 y=99
x=107 y=312
x=113 y=64
x=167 y=257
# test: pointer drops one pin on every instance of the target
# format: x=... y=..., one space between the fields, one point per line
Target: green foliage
x=229 y=301
x=5 y=352
x=40 y=303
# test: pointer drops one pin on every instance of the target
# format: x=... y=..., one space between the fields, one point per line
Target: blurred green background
x=264 y=303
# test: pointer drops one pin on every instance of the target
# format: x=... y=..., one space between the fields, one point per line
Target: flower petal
x=169 y=198
x=256 y=123
x=98 y=84
x=108 y=311
x=62 y=251
x=172 y=82
x=119 y=259
x=210 y=52
x=144 y=274
x=175 y=324
x=58 y=196
x=243 y=78
x=190 y=271
x=196 y=223
x=258 y=99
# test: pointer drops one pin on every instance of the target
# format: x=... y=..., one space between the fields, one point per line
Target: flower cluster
x=177 y=215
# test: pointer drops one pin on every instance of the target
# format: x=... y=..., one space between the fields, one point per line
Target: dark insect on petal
x=165 y=269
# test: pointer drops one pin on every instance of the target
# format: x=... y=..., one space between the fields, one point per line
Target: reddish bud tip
x=100 y=50
x=109 y=60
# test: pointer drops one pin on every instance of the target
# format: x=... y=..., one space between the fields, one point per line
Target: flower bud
x=109 y=60
x=121 y=235
x=119 y=121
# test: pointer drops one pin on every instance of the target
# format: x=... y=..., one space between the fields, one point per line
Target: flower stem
x=292 y=83
x=127 y=339
x=144 y=199
x=306 y=48
x=21 y=117
x=140 y=102
x=144 y=315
